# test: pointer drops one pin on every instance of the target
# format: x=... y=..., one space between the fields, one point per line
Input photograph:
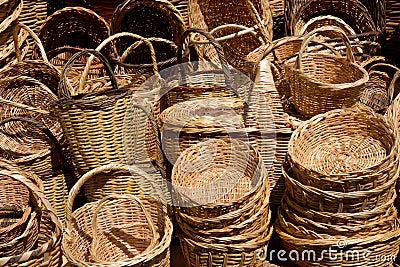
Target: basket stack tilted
x=340 y=174
x=221 y=193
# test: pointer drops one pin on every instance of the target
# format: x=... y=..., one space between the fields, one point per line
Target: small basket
x=86 y=117
x=157 y=18
x=242 y=27
x=47 y=251
x=316 y=81
x=40 y=155
x=93 y=238
x=69 y=29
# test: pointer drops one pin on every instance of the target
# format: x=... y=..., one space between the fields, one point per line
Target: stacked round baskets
x=221 y=194
x=340 y=174
x=117 y=230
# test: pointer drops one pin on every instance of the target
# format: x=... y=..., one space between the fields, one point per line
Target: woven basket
x=86 y=117
x=316 y=81
x=40 y=70
x=381 y=87
x=34 y=13
x=156 y=18
x=84 y=247
x=47 y=252
x=207 y=83
x=236 y=25
x=41 y=155
x=70 y=29
x=321 y=21
x=352 y=12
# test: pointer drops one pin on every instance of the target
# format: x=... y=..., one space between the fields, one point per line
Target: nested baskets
x=96 y=120
x=317 y=83
x=344 y=150
x=222 y=193
x=236 y=25
x=137 y=231
x=69 y=30
x=47 y=251
x=150 y=19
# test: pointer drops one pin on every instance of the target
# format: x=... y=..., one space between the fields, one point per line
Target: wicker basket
x=40 y=70
x=321 y=21
x=70 y=29
x=316 y=81
x=34 y=13
x=41 y=155
x=237 y=41
x=84 y=123
x=89 y=241
x=47 y=252
x=156 y=18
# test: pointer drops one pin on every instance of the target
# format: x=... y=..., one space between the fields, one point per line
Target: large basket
x=47 y=252
x=88 y=240
x=316 y=81
x=86 y=117
x=69 y=29
x=155 y=18
x=236 y=27
x=344 y=150
x=41 y=155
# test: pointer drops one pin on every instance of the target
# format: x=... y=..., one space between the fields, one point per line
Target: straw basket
x=207 y=83
x=86 y=117
x=156 y=18
x=94 y=238
x=40 y=69
x=68 y=30
x=242 y=27
x=41 y=155
x=47 y=252
x=316 y=81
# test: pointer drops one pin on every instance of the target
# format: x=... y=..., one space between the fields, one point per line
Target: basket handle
x=35 y=38
x=308 y=37
x=54 y=144
x=89 y=175
x=258 y=20
x=63 y=91
x=110 y=39
x=392 y=85
x=218 y=48
x=102 y=202
x=377 y=65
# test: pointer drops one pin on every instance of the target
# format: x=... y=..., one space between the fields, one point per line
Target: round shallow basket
x=240 y=28
x=131 y=229
x=68 y=30
x=40 y=152
x=382 y=86
x=86 y=117
x=156 y=18
x=352 y=12
x=215 y=177
x=316 y=81
x=47 y=251
x=212 y=254
x=377 y=250
x=39 y=69
x=189 y=85
x=344 y=150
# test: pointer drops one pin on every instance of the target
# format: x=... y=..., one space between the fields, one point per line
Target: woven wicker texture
x=156 y=18
x=93 y=239
x=360 y=155
x=33 y=13
x=316 y=81
x=69 y=30
x=100 y=131
x=47 y=251
x=225 y=20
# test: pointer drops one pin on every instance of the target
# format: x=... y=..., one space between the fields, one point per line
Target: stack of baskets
x=30 y=230
x=134 y=230
x=341 y=171
x=9 y=14
x=221 y=192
